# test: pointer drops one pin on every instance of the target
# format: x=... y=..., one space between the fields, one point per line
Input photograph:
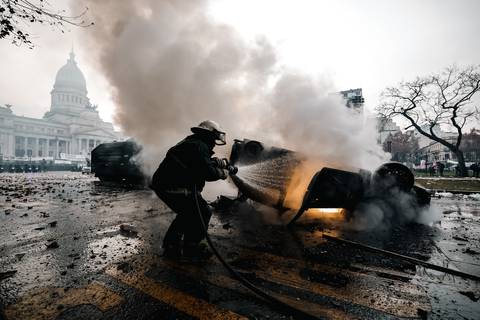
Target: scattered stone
x=63 y=273
x=70 y=200
x=128 y=230
x=124 y=267
x=71 y=266
x=423 y=314
x=7 y=212
x=52 y=245
x=471 y=251
x=44 y=214
x=227 y=226
x=19 y=256
x=7 y=274
x=39 y=228
x=471 y=295
x=149 y=210
x=30 y=207
x=24 y=215
x=8 y=200
x=53 y=224
x=459 y=238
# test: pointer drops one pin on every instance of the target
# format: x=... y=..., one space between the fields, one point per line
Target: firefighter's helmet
x=213 y=127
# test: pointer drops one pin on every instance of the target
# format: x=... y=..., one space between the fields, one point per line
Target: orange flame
x=301 y=178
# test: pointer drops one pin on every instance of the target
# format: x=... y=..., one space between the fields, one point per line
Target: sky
x=369 y=44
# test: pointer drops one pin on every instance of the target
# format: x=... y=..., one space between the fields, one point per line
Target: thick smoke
x=394 y=207
x=171 y=66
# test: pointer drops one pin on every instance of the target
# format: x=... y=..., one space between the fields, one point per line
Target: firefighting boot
x=196 y=252
x=173 y=252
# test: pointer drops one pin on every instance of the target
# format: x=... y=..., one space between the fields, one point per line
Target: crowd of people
x=438 y=169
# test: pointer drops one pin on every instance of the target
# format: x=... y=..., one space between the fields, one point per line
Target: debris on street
x=122 y=250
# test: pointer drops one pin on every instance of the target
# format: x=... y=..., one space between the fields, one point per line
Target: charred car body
x=329 y=187
x=115 y=162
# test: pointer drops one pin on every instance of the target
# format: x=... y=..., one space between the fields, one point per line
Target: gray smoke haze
x=171 y=66
x=392 y=208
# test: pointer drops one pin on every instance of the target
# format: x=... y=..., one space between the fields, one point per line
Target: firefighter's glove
x=220 y=163
x=232 y=170
x=222 y=173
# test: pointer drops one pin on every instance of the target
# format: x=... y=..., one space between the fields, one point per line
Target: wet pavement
x=74 y=248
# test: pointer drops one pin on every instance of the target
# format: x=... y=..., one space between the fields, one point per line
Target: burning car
x=267 y=175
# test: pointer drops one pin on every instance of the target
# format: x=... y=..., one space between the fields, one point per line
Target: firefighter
x=190 y=163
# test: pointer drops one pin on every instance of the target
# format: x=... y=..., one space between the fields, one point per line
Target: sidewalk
x=448 y=184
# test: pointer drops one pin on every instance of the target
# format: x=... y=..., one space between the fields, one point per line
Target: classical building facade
x=68 y=132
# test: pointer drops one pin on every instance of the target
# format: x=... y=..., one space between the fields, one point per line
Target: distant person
x=431 y=170
x=440 y=168
x=457 y=171
x=475 y=167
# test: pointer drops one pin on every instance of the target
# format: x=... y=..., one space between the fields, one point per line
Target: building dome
x=69 y=94
x=70 y=77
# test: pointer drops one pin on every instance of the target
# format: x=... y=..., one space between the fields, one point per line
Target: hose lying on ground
x=402 y=257
x=274 y=302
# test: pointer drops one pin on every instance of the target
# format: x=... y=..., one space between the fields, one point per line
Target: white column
x=25 y=146
x=11 y=144
x=36 y=148
x=56 y=148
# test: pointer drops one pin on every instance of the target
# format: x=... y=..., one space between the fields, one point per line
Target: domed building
x=67 y=132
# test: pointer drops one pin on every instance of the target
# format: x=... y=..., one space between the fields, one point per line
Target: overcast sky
x=367 y=44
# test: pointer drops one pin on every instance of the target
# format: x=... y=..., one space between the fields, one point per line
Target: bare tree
x=438 y=101
x=16 y=15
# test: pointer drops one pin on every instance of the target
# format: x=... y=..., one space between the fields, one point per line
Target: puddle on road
x=450 y=294
x=110 y=249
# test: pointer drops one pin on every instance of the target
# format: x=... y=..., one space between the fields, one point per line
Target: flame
x=333 y=214
x=301 y=178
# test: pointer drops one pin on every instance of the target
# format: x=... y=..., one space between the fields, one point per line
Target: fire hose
x=402 y=257
x=274 y=302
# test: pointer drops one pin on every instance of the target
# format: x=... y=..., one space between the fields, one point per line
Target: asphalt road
x=65 y=255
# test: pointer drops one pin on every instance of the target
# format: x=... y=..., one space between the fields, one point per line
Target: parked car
x=86 y=170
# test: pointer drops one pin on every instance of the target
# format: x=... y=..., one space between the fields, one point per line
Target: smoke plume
x=171 y=66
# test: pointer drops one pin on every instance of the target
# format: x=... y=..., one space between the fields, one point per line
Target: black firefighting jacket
x=187 y=163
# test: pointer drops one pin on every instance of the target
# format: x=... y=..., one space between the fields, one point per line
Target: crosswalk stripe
x=181 y=301
x=226 y=282
x=361 y=289
x=47 y=303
